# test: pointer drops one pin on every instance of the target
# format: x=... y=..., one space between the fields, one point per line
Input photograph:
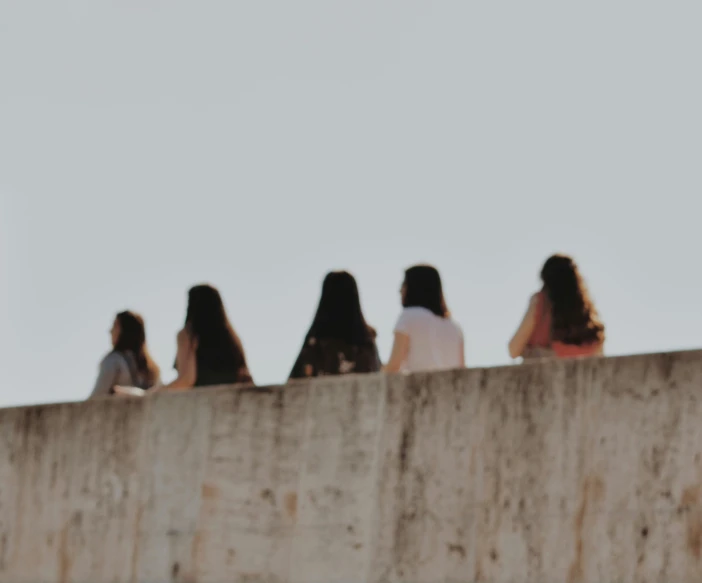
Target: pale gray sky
x=146 y=147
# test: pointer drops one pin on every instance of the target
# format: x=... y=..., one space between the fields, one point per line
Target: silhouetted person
x=129 y=363
x=339 y=340
x=561 y=320
x=426 y=338
x=209 y=351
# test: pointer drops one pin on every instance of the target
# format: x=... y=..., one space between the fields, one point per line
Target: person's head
x=339 y=313
x=129 y=335
x=574 y=319
x=219 y=348
x=422 y=288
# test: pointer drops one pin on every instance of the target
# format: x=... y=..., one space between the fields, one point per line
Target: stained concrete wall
x=550 y=472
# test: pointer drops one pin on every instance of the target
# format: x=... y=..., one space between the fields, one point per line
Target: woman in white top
x=426 y=338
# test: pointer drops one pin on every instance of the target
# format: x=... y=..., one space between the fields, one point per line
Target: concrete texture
x=578 y=472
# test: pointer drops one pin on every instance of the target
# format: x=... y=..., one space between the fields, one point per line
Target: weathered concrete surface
x=559 y=472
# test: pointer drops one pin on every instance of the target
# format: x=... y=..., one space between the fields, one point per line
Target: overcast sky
x=146 y=147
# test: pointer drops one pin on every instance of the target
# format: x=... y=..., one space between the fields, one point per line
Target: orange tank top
x=541 y=336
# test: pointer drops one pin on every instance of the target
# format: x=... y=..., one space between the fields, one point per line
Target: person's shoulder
x=416 y=313
x=113 y=360
x=407 y=316
x=457 y=328
x=413 y=318
x=184 y=336
x=536 y=298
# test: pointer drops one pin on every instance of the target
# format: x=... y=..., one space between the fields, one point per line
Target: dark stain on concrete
x=593 y=488
x=690 y=503
x=210 y=492
x=136 y=543
x=268 y=495
x=290 y=502
x=64 y=554
x=457 y=549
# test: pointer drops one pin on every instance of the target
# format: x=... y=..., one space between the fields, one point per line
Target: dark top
x=222 y=373
x=329 y=356
x=208 y=378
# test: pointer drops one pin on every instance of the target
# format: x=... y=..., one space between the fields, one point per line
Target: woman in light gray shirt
x=129 y=364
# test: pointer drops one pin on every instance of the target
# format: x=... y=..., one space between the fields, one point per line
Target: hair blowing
x=423 y=289
x=132 y=338
x=574 y=319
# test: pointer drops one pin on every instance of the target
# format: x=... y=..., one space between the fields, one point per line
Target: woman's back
x=541 y=336
x=335 y=356
x=339 y=340
x=218 y=352
x=120 y=369
x=561 y=319
x=218 y=360
x=435 y=343
x=209 y=377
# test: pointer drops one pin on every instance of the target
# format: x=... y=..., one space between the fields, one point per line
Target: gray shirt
x=116 y=369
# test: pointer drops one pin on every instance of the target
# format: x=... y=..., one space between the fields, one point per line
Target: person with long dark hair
x=209 y=350
x=426 y=338
x=129 y=363
x=339 y=340
x=561 y=320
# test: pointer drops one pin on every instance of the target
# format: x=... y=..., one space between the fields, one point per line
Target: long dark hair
x=132 y=339
x=219 y=348
x=339 y=314
x=423 y=289
x=574 y=319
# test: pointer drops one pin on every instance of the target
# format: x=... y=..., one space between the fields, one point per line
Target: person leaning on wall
x=209 y=352
x=426 y=337
x=561 y=320
x=129 y=362
x=339 y=340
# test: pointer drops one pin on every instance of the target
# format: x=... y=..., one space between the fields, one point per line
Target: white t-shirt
x=434 y=343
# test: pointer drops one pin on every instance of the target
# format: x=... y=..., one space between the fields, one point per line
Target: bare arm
x=400 y=349
x=523 y=333
x=186 y=364
x=462 y=356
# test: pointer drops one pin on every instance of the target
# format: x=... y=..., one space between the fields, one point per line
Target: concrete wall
x=559 y=472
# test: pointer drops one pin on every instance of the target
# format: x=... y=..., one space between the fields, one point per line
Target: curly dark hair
x=574 y=319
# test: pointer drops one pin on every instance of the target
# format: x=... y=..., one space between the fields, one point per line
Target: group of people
x=561 y=322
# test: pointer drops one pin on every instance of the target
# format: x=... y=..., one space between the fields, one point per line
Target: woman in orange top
x=561 y=320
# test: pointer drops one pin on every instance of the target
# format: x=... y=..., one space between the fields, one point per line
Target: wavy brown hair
x=132 y=338
x=574 y=319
